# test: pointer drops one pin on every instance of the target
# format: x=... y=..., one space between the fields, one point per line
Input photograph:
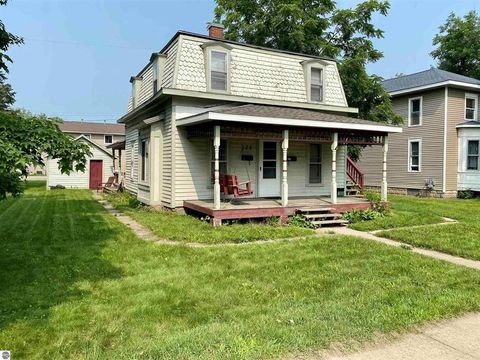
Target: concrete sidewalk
x=456 y=339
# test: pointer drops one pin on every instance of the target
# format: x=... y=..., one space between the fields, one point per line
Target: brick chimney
x=215 y=30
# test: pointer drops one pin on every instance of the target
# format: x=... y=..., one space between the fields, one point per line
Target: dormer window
x=217 y=65
x=314 y=73
x=155 y=77
x=316 y=84
x=218 y=70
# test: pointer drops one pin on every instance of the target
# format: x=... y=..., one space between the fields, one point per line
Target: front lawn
x=77 y=284
x=462 y=239
x=174 y=226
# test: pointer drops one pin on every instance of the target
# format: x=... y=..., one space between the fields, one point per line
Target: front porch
x=261 y=207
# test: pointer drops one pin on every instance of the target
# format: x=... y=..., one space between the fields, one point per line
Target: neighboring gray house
x=441 y=134
x=204 y=107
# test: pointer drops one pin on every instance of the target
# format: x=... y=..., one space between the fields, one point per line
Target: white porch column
x=284 y=169
x=384 y=169
x=333 y=190
x=216 y=186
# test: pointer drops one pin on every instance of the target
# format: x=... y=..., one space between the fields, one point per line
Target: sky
x=78 y=55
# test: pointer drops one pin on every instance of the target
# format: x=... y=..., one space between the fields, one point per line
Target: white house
x=204 y=107
x=99 y=169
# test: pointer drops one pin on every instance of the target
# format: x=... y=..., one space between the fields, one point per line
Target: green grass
x=184 y=228
x=77 y=284
x=460 y=239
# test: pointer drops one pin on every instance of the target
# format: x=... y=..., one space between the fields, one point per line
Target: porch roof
x=277 y=115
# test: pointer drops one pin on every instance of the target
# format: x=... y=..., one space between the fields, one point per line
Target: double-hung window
x=415 y=111
x=315 y=164
x=218 y=70
x=414 y=155
x=471 y=101
x=316 y=84
x=222 y=160
x=473 y=155
x=108 y=139
x=144 y=158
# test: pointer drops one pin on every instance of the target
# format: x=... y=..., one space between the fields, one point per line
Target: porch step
x=329 y=222
x=323 y=217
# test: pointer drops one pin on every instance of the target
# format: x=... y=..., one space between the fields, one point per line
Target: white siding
x=131 y=154
x=193 y=168
x=146 y=86
x=467 y=179
x=168 y=73
x=257 y=73
x=79 y=180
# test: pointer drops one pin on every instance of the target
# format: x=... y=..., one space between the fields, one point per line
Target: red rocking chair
x=231 y=186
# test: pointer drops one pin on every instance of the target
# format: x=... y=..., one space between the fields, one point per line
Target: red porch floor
x=262 y=208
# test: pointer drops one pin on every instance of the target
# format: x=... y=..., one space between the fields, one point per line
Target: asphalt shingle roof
x=423 y=78
x=84 y=127
x=292 y=113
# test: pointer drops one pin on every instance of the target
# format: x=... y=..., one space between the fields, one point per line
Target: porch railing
x=354 y=173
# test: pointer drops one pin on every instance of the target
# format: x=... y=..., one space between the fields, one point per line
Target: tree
x=317 y=27
x=26 y=139
x=458 y=45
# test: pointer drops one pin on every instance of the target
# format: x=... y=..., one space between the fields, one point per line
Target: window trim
x=307 y=182
x=209 y=72
x=420 y=150
x=410 y=100
x=307 y=73
x=105 y=139
x=467 y=155
x=141 y=167
x=475 y=109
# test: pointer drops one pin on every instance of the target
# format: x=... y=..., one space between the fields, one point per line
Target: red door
x=96 y=174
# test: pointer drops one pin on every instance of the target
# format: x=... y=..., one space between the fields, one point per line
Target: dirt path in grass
x=430 y=253
x=455 y=339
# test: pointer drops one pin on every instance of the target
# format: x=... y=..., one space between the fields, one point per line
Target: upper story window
x=415 y=111
x=316 y=84
x=471 y=105
x=218 y=70
x=88 y=136
x=155 y=77
x=108 y=139
x=217 y=65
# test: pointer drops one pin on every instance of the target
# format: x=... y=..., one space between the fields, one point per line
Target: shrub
x=300 y=220
x=376 y=201
x=272 y=221
x=355 y=216
x=465 y=194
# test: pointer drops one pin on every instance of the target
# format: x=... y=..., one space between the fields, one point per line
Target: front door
x=96 y=174
x=269 y=170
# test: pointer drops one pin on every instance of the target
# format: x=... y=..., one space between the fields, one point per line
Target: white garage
x=99 y=168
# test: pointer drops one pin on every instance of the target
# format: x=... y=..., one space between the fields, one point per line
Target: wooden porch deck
x=247 y=208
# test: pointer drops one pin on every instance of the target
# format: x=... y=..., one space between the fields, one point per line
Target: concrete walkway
x=430 y=253
x=456 y=339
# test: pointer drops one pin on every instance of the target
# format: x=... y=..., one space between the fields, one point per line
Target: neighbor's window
x=144 y=171
x=218 y=70
x=473 y=154
x=316 y=85
x=222 y=160
x=471 y=107
x=155 y=76
x=108 y=139
x=315 y=166
x=415 y=112
x=88 y=136
x=414 y=155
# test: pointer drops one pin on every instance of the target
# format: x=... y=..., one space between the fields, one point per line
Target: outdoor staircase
x=355 y=179
x=321 y=217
